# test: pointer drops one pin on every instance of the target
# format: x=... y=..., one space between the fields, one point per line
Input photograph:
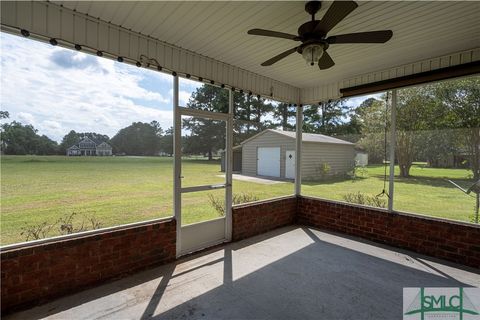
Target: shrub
x=35 y=232
x=219 y=203
x=323 y=169
x=64 y=225
x=357 y=172
x=365 y=199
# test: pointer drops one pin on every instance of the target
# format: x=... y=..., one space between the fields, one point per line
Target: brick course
x=262 y=216
x=34 y=274
x=453 y=241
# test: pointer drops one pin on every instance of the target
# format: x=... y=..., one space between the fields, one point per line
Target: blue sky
x=57 y=90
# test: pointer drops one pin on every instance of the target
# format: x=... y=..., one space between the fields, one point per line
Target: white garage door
x=268 y=162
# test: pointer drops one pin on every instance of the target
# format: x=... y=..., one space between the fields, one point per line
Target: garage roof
x=306 y=137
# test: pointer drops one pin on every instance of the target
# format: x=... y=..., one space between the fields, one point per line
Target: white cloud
x=356 y=101
x=26 y=118
x=183 y=97
x=104 y=96
x=52 y=128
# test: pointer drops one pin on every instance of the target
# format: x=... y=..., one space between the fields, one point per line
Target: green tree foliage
x=251 y=116
x=325 y=118
x=140 y=138
x=201 y=135
x=4 y=114
x=20 y=139
x=434 y=123
x=461 y=101
x=415 y=113
x=285 y=116
x=166 y=142
x=205 y=136
x=439 y=120
x=370 y=117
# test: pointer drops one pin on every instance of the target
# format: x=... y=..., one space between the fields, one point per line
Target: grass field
x=119 y=190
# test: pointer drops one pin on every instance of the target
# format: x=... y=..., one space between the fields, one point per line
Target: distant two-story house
x=88 y=147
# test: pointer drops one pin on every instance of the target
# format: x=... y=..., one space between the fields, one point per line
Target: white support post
x=229 y=169
x=298 y=151
x=177 y=164
x=393 y=133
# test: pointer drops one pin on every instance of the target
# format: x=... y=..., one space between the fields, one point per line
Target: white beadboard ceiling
x=422 y=29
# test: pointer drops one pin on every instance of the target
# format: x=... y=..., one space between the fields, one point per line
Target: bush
x=64 y=225
x=357 y=172
x=219 y=203
x=365 y=199
x=323 y=169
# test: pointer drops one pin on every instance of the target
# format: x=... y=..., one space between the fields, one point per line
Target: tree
x=22 y=139
x=158 y=129
x=139 y=139
x=461 y=100
x=46 y=146
x=253 y=114
x=414 y=114
x=370 y=116
x=326 y=117
x=166 y=142
x=4 y=114
x=283 y=113
x=205 y=136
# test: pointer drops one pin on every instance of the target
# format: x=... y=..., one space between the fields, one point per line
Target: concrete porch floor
x=290 y=273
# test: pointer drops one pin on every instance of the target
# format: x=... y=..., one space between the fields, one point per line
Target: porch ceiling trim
x=46 y=20
x=333 y=90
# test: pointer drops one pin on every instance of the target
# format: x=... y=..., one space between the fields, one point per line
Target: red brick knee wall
x=457 y=242
x=38 y=273
x=259 y=217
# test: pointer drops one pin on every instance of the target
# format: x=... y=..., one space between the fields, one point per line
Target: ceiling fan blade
x=362 y=37
x=336 y=13
x=325 y=61
x=279 y=57
x=274 y=34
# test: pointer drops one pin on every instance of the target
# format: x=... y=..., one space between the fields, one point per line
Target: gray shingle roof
x=306 y=137
x=314 y=137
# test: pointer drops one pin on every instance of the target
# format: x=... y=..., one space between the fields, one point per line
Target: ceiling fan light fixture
x=312 y=53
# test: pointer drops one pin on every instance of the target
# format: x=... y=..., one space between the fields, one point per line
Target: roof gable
x=104 y=145
x=87 y=140
x=306 y=137
x=314 y=137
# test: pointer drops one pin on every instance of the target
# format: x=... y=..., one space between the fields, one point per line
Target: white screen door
x=203 y=189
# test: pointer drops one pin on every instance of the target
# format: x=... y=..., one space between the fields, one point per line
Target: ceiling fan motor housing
x=307 y=31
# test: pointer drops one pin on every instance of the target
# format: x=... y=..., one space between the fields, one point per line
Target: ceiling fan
x=313 y=34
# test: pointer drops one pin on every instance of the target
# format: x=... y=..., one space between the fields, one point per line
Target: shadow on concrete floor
x=290 y=273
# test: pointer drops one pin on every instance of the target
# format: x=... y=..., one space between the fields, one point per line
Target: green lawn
x=119 y=190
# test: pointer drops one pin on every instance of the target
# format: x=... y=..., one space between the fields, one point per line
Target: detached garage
x=271 y=153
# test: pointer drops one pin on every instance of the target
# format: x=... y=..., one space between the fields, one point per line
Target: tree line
x=433 y=121
x=140 y=138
